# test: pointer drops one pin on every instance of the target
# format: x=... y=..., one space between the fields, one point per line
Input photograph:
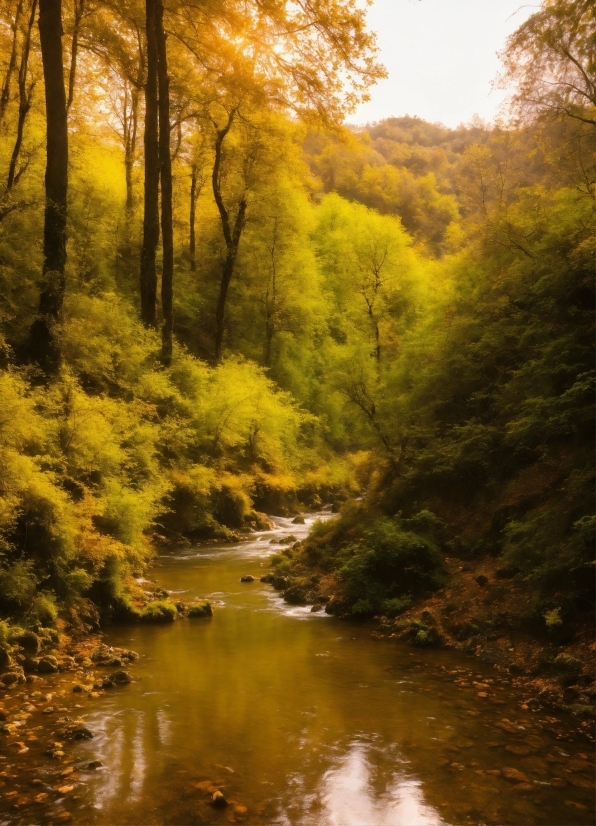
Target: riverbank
x=482 y=612
x=307 y=703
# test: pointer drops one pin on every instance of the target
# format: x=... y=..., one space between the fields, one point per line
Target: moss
x=160 y=611
x=202 y=609
x=568 y=668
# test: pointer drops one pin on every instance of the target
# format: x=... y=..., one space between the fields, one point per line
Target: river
x=302 y=719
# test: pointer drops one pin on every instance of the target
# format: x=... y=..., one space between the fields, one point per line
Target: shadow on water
x=301 y=719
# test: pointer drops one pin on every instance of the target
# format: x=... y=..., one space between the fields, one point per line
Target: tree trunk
x=79 y=9
x=165 y=165
x=44 y=346
x=148 y=280
x=192 y=243
x=25 y=97
x=226 y=277
x=131 y=119
x=231 y=236
x=12 y=63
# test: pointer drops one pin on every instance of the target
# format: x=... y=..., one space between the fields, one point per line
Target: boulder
x=247 y=578
x=75 y=730
x=295 y=595
x=298 y=520
x=268 y=578
x=218 y=800
x=15 y=675
x=29 y=642
x=202 y=609
x=47 y=664
x=120 y=678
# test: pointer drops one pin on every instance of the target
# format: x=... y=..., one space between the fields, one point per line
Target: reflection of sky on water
x=348 y=796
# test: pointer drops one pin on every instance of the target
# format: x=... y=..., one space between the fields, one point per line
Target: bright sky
x=441 y=56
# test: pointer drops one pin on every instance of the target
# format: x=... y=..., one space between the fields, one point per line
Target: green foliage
x=411 y=315
x=159 y=611
x=386 y=566
x=44 y=610
x=552 y=618
x=396 y=606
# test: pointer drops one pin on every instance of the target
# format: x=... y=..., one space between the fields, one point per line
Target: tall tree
x=43 y=343
x=552 y=58
x=25 y=100
x=231 y=228
x=148 y=281
x=165 y=167
x=12 y=63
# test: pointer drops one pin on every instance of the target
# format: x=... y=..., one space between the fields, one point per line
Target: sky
x=441 y=56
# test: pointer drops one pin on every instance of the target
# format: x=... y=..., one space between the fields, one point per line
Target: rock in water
x=47 y=664
x=299 y=520
x=203 y=609
x=120 y=678
x=218 y=800
x=247 y=578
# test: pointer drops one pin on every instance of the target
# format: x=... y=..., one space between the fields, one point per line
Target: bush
x=389 y=563
x=160 y=611
x=18 y=585
x=44 y=610
x=395 y=607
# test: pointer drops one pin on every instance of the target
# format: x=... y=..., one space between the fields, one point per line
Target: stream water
x=302 y=719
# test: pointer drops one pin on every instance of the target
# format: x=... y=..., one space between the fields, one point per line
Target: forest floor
x=486 y=616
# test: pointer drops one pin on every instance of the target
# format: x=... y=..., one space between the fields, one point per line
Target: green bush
x=396 y=606
x=389 y=562
x=18 y=585
x=4 y=633
x=160 y=611
x=44 y=610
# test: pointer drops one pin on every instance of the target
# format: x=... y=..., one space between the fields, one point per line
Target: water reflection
x=356 y=792
x=303 y=723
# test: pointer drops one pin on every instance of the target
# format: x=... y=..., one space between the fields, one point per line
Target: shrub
x=397 y=605
x=18 y=586
x=159 y=611
x=389 y=562
x=44 y=610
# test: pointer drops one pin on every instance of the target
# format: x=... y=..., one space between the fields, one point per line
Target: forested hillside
x=217 y=301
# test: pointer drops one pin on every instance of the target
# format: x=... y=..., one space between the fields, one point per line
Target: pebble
x=515 y=775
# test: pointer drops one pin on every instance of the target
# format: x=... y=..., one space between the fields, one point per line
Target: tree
x=148 y=280
x=43 y=343
x=25 y=99
x=231 y=227
x=12 y=62
x=552 y=58
x=165 y=171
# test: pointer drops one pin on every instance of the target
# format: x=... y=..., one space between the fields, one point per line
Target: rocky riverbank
x=483 y=612
x=49 y=688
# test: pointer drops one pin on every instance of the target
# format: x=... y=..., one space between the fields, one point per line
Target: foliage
x=159 y=611
x=201 y=609
x=410 y=318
